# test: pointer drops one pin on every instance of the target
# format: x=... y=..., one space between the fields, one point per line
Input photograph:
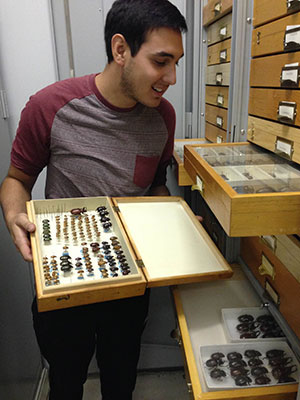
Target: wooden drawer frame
x=215 y=134
x=263 y=12
x=281 y=392
x=182 y=177
x=216 y=116
x=243 y=214
x=214 y=30
x=269 y=39
x=253 y=249
x=217 y=96
x=218 y=75
x=215 y=10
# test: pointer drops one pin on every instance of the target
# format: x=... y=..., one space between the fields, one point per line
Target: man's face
x=148 y=74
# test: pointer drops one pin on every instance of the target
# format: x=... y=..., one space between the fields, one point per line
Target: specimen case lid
x=164 y=244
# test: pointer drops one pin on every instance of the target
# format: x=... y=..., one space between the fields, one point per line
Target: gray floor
x=163 y=385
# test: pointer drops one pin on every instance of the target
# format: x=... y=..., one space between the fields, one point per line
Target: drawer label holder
x=289 y=76
x=220 y=100
x=223 y=56
x=284 y=148
x=219 y=121
x=219 y=78
x=223 y=31
x=218 y=8
x=292 y=38
x=286 y=112
x=293 y=5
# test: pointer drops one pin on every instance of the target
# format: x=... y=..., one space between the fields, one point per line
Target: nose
x=170 y=75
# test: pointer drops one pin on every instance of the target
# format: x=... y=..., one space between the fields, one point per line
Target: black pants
x=68 y=339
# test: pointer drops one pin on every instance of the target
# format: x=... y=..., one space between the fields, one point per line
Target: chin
x=152 y=103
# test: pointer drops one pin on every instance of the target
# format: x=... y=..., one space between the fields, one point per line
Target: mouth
x=158 y=90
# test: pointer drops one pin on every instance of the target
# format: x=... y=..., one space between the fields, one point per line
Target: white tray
x=230 y=321
x=228 y=382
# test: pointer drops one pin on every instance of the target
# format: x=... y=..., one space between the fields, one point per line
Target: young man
x=109 y=134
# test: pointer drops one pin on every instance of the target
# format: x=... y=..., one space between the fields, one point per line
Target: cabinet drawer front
x=218 y=74
x=214 y=134
x=216 y=116
x=217 y=95
x=220 y=30
x=266 y=71
x=265 y=103
x=219 y=52
x=284 y=283
x=265 y=134
x=269 y=39
x=266 y=11
x=215 y=9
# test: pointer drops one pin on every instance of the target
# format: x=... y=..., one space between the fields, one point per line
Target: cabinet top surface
x=249 y=169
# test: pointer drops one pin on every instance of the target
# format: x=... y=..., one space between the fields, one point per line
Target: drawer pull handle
x=258 y=38
x=266 y=268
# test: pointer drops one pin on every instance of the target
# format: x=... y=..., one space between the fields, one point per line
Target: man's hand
x=19 y=228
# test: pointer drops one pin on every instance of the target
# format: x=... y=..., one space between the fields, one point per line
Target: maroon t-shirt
x=90 y=147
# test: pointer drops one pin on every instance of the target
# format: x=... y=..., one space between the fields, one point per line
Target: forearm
x=13 y=197
x=14 y=192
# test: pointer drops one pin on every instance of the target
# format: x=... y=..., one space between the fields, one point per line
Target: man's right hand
x=19 y=228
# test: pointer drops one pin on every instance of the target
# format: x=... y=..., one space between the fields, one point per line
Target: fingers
x=199 y=218
x=20 y=228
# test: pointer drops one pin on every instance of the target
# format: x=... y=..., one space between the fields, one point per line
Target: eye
x=160 y=63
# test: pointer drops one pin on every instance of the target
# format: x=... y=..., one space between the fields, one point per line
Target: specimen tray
x=161 y=239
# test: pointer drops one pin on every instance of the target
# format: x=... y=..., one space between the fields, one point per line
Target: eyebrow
x=164 y=54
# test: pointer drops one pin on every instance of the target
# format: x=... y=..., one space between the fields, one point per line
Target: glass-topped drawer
x=250 y=190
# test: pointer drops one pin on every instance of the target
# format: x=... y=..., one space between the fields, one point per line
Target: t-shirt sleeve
x=168 y=114
x=30 y=150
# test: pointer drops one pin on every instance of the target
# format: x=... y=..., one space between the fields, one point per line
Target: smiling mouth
x=157 y=90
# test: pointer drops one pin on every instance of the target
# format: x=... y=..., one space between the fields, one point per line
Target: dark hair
x=135 y=18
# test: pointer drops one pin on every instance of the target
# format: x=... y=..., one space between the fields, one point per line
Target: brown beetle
x=78 y=211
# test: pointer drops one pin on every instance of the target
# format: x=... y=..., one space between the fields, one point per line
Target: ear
x=119 y=48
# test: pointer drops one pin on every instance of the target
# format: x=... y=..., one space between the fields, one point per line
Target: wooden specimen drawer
x=219 y=52
x=271 y=71
x=250 y=190
x=287 y=249
x=219 y=30
x=93 y=249
x=198 y=308
x=266 y=11
x=275 y=137
x=215 y=134
x=182 y=177
x=217 y=96
x=216 y=116
x=215 y=9
x=275 y=38
x=272 y=274
x=278 y=105
x=218 y=74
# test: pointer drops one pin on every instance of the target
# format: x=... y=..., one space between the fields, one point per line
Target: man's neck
x=108 y=84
